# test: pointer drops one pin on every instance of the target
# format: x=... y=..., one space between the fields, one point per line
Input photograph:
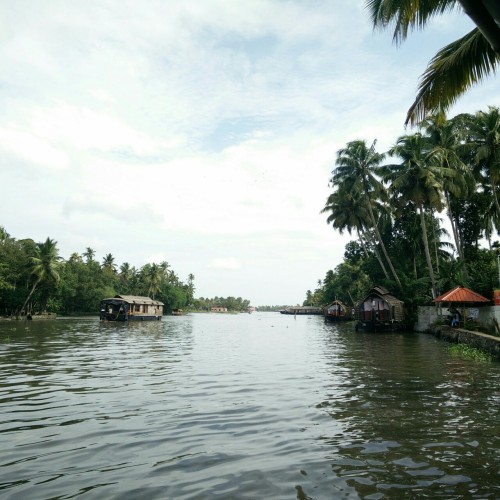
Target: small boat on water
x=337 y=311
x=131 y=308
x=177 y=312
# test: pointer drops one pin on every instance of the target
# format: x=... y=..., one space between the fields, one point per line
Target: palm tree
x=357 y=166
x=190 y=286
x=458 y=181
x=458 y=66
x=45 y=265
x=89 y=254
x=4 y=235
x=348 y=211
x=108 y=263
x=485 y=141
x=417 y=180
x=154 y=277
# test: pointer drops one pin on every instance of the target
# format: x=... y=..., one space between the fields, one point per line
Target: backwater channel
x=250 y=406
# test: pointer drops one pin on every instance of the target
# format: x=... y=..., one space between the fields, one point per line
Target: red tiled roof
x=462 y=295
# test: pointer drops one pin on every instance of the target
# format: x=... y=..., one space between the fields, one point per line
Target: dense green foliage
x=232 y=304
x=392 y=203
x=34 y=278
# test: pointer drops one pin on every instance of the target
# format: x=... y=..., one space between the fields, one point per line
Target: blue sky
x=202 y=133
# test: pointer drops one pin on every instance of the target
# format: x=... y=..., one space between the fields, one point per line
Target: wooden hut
x=380 y=311
x=337 y=311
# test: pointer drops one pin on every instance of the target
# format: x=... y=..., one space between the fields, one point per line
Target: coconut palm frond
x=452 y=71
x=406 y=15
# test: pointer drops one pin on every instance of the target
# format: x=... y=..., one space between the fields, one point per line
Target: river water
x=251 y=406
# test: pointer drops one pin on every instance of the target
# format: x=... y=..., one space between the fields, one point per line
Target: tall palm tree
x=417 y=180
x=89 y=254
x=357 y=169
x=444 y=147
x=458 y=66
x=190 y=286
x=154 y=277
x=485 y=141
x=108 y=263
x=348 y=212
x=44 y=266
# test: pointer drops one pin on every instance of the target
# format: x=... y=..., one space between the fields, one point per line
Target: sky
x=202 y=133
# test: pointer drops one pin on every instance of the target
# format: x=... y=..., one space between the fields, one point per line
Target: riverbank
x=488 y=343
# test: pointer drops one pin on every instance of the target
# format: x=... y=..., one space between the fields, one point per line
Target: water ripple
x=241 y=406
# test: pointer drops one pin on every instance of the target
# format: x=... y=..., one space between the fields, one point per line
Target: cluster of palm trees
x=34 y=278
x=446 y=165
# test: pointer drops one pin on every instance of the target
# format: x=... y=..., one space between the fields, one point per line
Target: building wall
x=427 y=315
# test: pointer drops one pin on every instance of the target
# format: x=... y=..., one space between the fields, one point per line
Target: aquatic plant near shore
x=469 y=352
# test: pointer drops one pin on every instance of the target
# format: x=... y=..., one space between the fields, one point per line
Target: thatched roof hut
x=380 y=306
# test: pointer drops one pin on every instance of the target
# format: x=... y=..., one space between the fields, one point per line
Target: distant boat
x=302 y=310
x=131 y=308
x=177 y=312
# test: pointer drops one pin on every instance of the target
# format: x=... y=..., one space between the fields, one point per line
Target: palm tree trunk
x=494 y=191
x=427 y=251
x=379 y=237
x=30 y=294
x=378 y=256
x=482 y=16
x=458 y=243
x=362 y=241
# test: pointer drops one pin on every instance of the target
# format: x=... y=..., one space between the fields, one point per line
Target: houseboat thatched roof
x=134 y=299
x=383 y=293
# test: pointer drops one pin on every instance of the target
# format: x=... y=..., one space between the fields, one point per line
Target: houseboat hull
x=378 y=326
x=126 y=317
x=331 y=317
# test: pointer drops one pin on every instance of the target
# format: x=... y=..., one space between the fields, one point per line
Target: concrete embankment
x=482 y=341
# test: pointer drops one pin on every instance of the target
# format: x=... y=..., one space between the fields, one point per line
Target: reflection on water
x=241 y=406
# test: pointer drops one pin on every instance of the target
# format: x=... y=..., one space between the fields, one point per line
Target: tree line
x=35 y=278
x=232 y=304
x=396 y=202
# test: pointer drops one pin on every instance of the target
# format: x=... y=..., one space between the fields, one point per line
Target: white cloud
x=201 y=133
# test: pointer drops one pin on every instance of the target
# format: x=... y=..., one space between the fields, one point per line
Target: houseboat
x=131 y=308
x=380 y=311
x=302 y=310
x=337 y=311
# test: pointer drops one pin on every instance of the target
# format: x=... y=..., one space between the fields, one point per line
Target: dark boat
x=131 y=308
